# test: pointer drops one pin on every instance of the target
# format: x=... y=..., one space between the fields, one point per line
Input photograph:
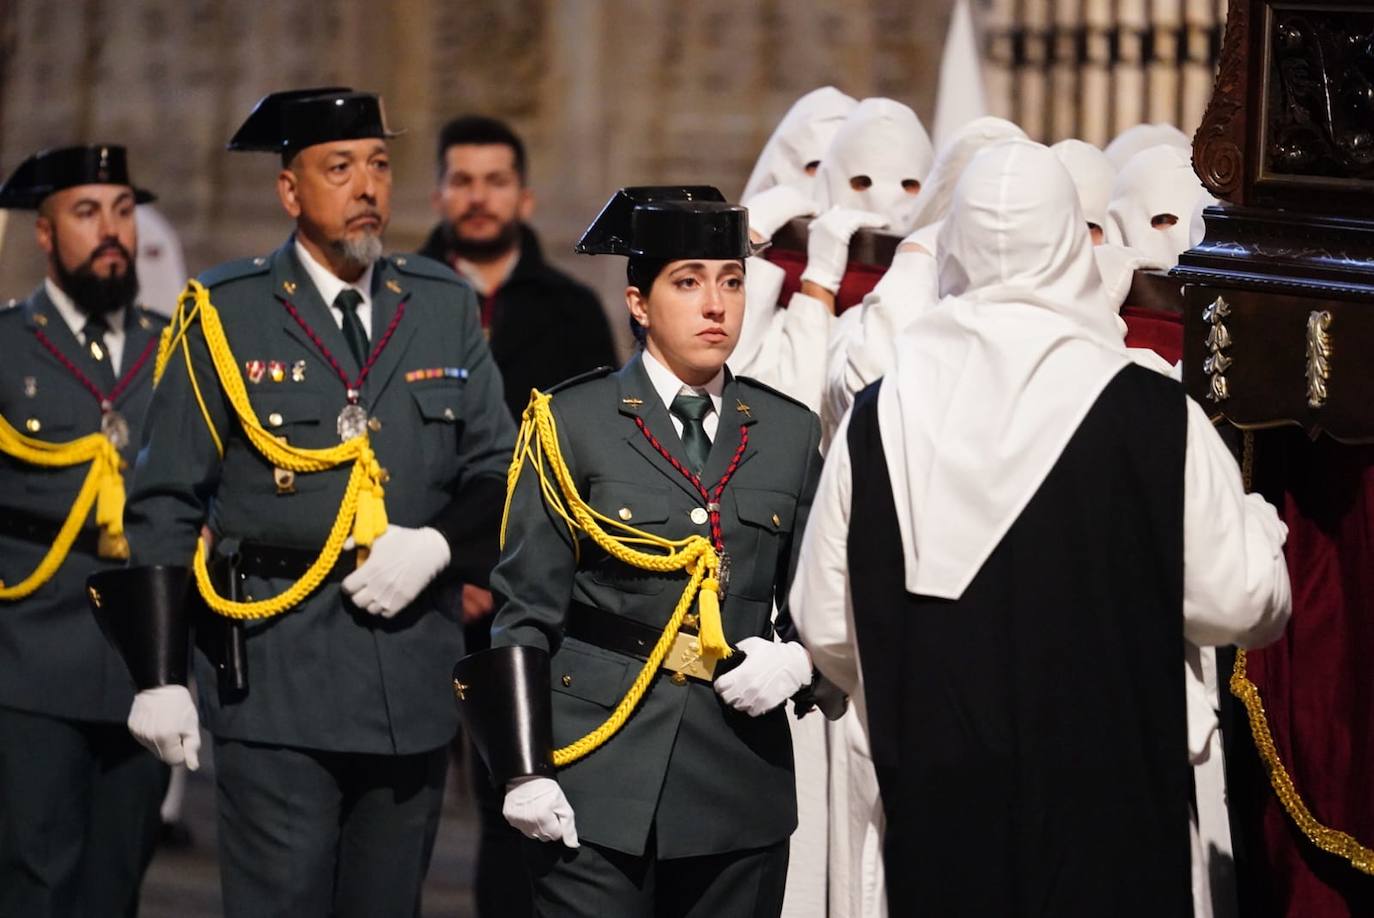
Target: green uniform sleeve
x=533 y=580
x=178 y=465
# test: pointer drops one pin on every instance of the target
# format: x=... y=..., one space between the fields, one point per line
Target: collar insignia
x=742 y=408
x=632 y=402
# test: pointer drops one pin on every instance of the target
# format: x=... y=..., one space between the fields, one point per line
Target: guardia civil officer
x=78 y=797
x=315 y=395
x=641 y=578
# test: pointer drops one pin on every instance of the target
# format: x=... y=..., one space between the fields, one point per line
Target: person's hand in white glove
x=402 y=563
x=536 y=807
x=770 y=210
x=827 y=244
x=770 y=674
x=164 y=721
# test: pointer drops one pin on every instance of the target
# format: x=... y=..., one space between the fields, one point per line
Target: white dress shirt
x=329 y=285
x=670 y=387
x=76 y=320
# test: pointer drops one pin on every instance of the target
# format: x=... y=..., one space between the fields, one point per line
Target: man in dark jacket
x=544 y=327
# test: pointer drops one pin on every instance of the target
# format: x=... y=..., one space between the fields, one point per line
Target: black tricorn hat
x=49 y=171
x=285 y=122
x=669 y=221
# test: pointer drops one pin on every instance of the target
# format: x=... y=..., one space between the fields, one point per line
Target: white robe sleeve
x=1235 y=578
x=783 y=348
x=819 y=600
x=863 y=342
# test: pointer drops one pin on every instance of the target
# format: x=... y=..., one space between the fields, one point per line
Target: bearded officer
x=334 y=417
x=78 y=797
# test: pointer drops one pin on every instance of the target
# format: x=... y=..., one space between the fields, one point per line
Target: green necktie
x=692 y=411
x=348 y=302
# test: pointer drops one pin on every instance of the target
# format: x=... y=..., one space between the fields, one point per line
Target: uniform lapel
x=388 y=293
x=735 y=411
x=290 y=284
x=639 y=399
x=42 y=315
x=138 y=335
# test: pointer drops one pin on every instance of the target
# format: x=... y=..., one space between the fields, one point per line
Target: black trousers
x=78 y=816
x=308 y=833
x=596 y=882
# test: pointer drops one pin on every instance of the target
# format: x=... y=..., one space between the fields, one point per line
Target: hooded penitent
x=992 y=384
x=1092 y=173
x=1143 y=136
x=954 y=157
x=1156 y=185
x=877 y=153
x=799 y=140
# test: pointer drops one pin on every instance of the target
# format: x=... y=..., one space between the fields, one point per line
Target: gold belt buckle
x=685 y=657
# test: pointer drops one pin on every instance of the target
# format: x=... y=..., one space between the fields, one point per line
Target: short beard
x=95 y=295
x=481 y=250
x=358 y=251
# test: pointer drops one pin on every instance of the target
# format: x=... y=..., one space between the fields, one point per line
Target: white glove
x=770 y=210
x=827 y=243
x=164 y=720
x=770 y=674
x=537 y=808
x=402 y=563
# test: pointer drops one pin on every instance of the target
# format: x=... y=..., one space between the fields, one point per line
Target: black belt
x=256 y=559
x=609 y=631
x=623 y=635
x=30 y=527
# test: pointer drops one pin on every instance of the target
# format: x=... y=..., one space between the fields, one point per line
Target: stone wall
x=607 y=92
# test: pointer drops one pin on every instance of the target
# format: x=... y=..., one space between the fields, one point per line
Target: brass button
x=567 y=679
x=374 y=424
x=699 y=515
x=274 y=419
x=679 y=679
x=689 y=620
x=626 y=514
x=33 y=425
x=448 y=414
x=776 y=521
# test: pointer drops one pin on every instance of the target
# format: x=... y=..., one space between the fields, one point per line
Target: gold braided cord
x=362 y=512
x=537 y=442
x=103 y=487
x=1332 y=841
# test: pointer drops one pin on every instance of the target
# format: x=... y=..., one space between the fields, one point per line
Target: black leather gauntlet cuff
x=145 y=615
x=506 y=705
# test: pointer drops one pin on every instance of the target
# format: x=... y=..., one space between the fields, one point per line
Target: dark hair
x=480 y=130
x=641 y=272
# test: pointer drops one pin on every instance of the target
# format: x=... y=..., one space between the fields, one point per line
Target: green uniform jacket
x=325 y=675
x=53 y=658
x=705 y=778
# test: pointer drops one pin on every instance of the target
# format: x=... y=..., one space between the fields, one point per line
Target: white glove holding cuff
x=770 y=210
x=771 y=673
x=402 y=563
x=537 y=808
x=165 y=722
x=827 y=243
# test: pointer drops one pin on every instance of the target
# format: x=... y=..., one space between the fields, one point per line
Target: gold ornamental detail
x=1318 y=356
x=1218 y=340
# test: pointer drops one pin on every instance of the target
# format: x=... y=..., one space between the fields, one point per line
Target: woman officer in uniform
x=633 y=704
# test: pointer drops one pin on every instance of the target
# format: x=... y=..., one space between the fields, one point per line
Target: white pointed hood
x=1156 y=181
x=953 y=158
x=1093 y=175
x=800 y=138
x=1143 y=136
x=883 y=140
x=961 y=97
x=988 y=388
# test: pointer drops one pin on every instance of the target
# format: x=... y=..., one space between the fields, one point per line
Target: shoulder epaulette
x=420 y=266
x=754 y=383
x=233 y=270
x=580 y=378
